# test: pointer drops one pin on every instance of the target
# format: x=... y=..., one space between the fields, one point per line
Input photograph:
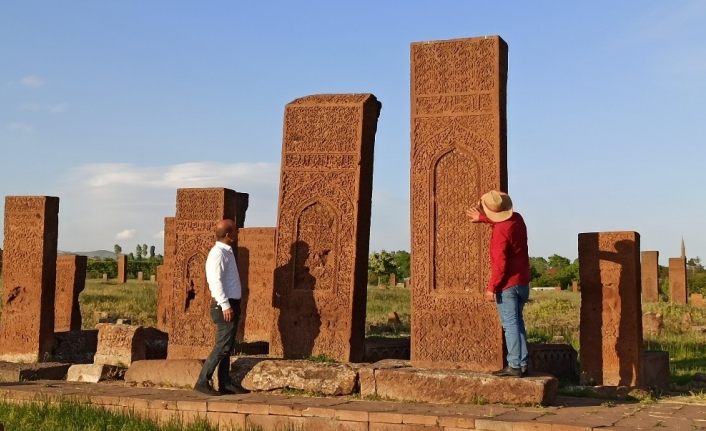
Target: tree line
x=144 y=260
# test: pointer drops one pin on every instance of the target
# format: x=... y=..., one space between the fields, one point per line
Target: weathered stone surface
x=93 y=373
x=678 y=291
x=175 y=373
x=140 y=276
x=122 y=269
x=559 y=360
x=697 y=300
x=652 y=323
x=380 y=348
x=323 y=378
x=165 y=284
x=70 y=282
x=454 y=386
x=76 y=347
x=105 y=277
x=458 y=153
x=650 y=276
x=197 y=213
x=574 y=286
x=29 y=278
x=119 y=345
x=256 y=266
x=153 y=278
x=13 y=372
x=611 y=310
x=655 y=369
x=323 y=226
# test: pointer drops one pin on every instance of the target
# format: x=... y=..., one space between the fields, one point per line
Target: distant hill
x=92 y=254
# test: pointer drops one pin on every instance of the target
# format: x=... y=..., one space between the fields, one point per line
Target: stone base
x=655 y=369
x=11 y=372
x=396 y=380
x=316 y=377
x=94 y=373
x=172 y=373
x=379 y=348
x=77 y=347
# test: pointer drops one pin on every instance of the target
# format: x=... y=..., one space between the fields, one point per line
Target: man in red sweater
x=508 y=286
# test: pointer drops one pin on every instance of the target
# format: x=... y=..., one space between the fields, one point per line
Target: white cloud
x=32 y=81
x=20 y=127
x=126 y=234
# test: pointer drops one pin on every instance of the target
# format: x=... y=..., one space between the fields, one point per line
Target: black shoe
x=206 y=389
x=229 y=389
x=508 y=372
x=525 y=371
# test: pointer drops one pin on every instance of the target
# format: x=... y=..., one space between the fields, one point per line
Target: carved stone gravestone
x=122 y=269
x=458 y=153
x=650 y=276
x=70 y=282
x=256 y=265
x=678 y=292
x=323 y=226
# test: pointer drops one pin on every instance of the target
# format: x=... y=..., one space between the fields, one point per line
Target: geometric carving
x=70 y=281
x=188 y=319
x=458 y=153
x=256 y=265
x=323 y=226
x=611 y=310
x=122 y=269
x=650 y=276
x=678 y=291
x=29 y=278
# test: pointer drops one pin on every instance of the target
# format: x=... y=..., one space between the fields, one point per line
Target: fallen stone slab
x=13 y=372
x=171 y=373
x=94 y=373
x=317 y=377
x=392 y=381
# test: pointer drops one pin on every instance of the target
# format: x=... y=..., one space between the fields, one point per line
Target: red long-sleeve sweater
x=509 y=259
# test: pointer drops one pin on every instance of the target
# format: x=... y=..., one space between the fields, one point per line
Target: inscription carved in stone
x=458 y=153
x=70 y=282
x=29 y=278
x=323 y=226
x=256 y=265
x=611 y=310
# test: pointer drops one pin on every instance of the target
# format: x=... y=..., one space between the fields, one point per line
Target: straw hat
x=497 y=205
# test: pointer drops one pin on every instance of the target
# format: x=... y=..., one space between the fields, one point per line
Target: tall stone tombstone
x=678 y=291
x=122 y=269
x=29 y=278
x=458 y=153
x=164 y=275
x=191 y=330
x=323 y=226
x=256 y=265
x=650 y=276
x=611 y=310
x=70 y=282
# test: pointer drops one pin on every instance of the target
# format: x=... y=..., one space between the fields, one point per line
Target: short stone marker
x=611 y=311
x=119 y=345
x=140 y=276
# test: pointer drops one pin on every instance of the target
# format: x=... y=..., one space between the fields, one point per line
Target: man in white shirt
x=224 y=284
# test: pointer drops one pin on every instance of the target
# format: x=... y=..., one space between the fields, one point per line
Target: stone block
x=652 y=323
x=379 y=348
x=459 y=146
x=13 y=372
x=457 y=386
x=323 y=226
x=119 y=345
x=650 y=276
x=678 y=291
x=256 y=266
x=611 y=310
x=174 y=373
x=559 y=360
x=697 y=300
x=29 y=278
x=655 y=369
x=122 y=269
x=317 y=377
x=140 y=276
x=70 y=282
x=76 y=347
x=93 y=373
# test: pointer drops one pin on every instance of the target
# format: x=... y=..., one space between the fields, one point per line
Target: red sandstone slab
x=122 y=269
x=323 y=226
x=256 y=265
x=611 y=311
x=458 y=153
x=70 y=282
x=650 y=276
x=29 y=278
x=120 y=345
x=678 y=292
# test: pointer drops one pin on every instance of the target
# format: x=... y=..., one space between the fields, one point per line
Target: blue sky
x=113 y=105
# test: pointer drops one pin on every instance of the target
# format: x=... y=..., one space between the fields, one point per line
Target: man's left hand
x=228 y=315
x=490 y=296
x=474 y=214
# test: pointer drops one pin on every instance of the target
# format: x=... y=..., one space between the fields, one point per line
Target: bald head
x=225 y=227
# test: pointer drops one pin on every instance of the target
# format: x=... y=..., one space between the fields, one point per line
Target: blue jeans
x=510 y=303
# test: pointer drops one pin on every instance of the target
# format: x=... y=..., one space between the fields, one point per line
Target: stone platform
x=271 y=412
x=13 y=372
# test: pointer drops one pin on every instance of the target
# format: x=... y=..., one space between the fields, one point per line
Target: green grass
x=135 y=300
x=43 y=416
x=381 y=302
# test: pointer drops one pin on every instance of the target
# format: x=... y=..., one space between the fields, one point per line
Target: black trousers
x=225 y=339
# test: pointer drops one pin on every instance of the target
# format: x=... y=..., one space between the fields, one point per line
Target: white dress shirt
x=222 y=274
